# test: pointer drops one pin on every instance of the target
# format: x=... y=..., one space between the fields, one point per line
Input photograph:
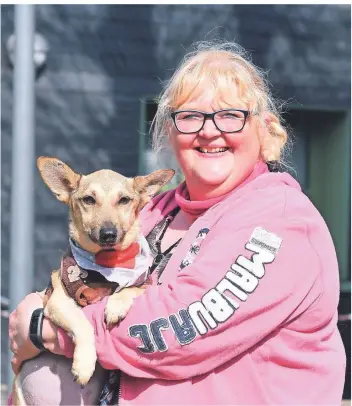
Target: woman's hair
x=219 y=66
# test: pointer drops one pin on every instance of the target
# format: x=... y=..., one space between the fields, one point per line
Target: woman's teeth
x=211 y=150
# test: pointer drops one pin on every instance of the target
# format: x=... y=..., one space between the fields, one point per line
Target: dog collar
x=127 y=272
x=121 y=259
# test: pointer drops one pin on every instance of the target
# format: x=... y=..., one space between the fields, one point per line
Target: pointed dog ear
x=148 y=186
x=59 y=177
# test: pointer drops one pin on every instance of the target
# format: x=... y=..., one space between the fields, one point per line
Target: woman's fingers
x=16 y=365
x=19 y=320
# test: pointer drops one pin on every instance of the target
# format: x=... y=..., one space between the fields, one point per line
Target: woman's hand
x=19 y=320
x=20 y=343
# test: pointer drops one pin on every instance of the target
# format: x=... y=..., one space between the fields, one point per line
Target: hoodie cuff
x=65 y=343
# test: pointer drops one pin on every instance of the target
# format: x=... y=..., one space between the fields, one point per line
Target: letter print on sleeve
x=184 y=332
x=219 y=303
x=141 y=331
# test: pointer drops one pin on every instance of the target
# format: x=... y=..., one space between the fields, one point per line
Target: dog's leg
x=120 y=303
x=64 y=312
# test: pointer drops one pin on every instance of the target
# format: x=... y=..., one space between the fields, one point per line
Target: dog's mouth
x=108 y=247
x=93 y=237
x=107 y=244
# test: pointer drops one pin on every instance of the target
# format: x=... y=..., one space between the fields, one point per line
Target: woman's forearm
x=50 y=337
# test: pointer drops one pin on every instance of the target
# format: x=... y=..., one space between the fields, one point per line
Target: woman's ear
x=264 y=123
x=268 y=118
x=272 y=137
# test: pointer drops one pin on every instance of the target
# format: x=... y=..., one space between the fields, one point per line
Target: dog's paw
x=116 y=308
x=83 y=365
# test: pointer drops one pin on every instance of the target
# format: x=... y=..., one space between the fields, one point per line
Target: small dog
x=104 y=236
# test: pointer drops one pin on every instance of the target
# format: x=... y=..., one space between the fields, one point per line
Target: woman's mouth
x=211 y=151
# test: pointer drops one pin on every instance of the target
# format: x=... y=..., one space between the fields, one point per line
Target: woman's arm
x=238 y=291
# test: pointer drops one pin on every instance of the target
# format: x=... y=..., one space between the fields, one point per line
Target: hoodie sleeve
x=242 y=286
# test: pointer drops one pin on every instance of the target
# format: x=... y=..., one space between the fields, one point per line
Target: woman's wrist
x=49 y=336
x=56 y=340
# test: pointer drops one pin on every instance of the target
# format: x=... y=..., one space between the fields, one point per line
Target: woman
x=243 y=306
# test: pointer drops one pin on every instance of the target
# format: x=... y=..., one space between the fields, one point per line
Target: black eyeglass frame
x=211 y=116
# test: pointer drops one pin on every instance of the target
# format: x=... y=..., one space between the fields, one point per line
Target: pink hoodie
x=246 y=312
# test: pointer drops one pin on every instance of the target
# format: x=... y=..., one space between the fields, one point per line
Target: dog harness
x=84 y=286
x=87 y=278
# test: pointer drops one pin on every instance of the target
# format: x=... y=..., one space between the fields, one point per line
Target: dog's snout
x=108 y=235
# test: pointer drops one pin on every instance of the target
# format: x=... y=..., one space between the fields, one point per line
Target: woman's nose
x=209 y=129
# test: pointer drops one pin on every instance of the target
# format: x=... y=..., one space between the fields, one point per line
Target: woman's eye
x=88 y=200
x=124 y=200
x=189 y=116
x=232 y=115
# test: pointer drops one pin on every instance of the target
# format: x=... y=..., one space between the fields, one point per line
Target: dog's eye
x=124 y=200
x=88 y=200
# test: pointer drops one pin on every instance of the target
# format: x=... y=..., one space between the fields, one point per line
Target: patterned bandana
x=124 y=276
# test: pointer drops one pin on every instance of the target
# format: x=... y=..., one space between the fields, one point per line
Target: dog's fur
x=100 y=199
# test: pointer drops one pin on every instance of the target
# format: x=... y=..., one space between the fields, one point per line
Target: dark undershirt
x=154 y=239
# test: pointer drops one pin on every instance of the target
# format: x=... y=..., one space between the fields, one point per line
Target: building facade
x=96 y=96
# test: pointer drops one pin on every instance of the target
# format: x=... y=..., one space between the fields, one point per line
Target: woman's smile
x=212 y=152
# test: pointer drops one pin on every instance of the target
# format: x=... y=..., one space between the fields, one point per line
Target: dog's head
x=104 y=205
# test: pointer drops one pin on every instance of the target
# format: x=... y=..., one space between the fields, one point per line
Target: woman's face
x=212 y=174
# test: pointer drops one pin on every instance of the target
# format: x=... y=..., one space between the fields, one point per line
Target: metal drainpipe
x=23 y=161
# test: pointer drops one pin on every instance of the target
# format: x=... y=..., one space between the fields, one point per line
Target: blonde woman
x=243 y=306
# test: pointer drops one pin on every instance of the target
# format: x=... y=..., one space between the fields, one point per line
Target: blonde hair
x=222 y=65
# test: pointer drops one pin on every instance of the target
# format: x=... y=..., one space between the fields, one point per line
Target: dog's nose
x=107 y=235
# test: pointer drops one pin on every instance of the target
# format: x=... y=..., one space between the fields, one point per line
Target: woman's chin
x=210 y=178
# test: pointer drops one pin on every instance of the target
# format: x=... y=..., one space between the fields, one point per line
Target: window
x=321 y=158
x=148 y=160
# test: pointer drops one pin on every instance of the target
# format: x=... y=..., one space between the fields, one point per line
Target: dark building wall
x=103 y=59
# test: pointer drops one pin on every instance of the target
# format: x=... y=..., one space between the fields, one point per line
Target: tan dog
x=103 y=212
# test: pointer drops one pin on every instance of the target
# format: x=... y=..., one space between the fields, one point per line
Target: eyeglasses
x=227 y=120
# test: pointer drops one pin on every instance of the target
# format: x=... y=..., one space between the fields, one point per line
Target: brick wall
x=103 y=59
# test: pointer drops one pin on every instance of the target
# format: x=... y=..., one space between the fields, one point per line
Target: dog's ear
x=59 y=177
x=148 y=186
